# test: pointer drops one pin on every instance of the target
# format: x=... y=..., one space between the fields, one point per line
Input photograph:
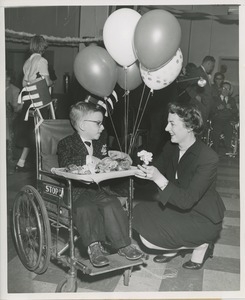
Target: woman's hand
x=153 y=174
x=148 y=172
x=119 y=155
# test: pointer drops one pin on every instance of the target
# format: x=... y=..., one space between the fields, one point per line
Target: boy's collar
x=85 y=140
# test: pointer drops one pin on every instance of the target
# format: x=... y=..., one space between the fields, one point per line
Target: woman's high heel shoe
x=197 y=266
x=161 y=258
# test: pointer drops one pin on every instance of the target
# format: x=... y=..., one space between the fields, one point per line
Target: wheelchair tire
x=32 y=230
x=67 y=285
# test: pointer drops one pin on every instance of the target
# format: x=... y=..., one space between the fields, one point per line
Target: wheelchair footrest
x=116 y=262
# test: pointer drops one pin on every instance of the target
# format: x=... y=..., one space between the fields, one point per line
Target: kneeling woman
x=186 y=211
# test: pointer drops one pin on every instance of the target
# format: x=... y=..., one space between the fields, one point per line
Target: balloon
x=202 y=82
x=156 y=38
x=164 y=76
x=129 y=78
x=118 y=35
x=96 y=71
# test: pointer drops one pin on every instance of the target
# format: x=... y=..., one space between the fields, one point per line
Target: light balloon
x=129 y=78
x=164 y=76
x=156 y=38
x=118 y=35
x=96 y=71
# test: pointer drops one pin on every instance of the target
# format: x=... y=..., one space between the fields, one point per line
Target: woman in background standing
x=34 y=67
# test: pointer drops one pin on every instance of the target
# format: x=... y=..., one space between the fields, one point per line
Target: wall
x=210 y=37
x=199 y=37
x=51 y=21
x=203 y=36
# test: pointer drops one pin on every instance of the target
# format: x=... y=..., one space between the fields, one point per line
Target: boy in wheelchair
x=98 y=215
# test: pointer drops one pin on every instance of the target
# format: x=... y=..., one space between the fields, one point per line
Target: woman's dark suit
x=189 y=211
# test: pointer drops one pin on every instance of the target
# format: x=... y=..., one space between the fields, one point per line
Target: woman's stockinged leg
x=23 y=157
x=198 y=253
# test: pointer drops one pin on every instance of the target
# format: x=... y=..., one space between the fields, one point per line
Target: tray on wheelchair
x=97 y=177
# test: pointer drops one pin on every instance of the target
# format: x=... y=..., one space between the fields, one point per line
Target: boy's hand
x=90 y=159
x=119 y=155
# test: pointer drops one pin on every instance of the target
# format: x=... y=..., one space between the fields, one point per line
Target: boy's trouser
x=100 y=217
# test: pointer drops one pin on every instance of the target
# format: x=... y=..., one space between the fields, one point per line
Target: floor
x=221 y=273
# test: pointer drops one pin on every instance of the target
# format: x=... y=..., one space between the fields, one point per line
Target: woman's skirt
x=169 y=228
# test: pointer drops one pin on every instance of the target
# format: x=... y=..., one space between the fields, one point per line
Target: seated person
x=225 y=110
x=98 y=216
x=217 y=84
x=185 y=210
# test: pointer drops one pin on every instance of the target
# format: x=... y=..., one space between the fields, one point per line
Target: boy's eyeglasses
x=99 y=123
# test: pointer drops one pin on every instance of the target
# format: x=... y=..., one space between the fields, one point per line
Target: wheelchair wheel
x=67 y=285
x=32 y=230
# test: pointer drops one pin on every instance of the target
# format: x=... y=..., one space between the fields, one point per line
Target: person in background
x=203 y=94
x=185 y=211
x=34 y=67
x=236 y=97
x=189 y=69
x=217 y=84
x=225 y=111
x=98 y=215
x=12 y=109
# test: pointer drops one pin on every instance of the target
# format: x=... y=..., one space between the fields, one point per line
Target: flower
x=104 y=150
x=145 y=156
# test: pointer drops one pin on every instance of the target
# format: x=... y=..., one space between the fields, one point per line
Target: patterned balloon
x=164 y=76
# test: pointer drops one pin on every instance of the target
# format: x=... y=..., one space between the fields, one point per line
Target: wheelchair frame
x=37 y=210
x=207 y=138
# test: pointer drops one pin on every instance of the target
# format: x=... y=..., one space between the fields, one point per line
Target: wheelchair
x=41 y=214
x=235 y=140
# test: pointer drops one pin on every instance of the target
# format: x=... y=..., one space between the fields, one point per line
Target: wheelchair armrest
x=54 y=176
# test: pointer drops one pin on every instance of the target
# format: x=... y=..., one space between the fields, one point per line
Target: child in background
x=34 y=67
x=12 y=109
x=98 y=216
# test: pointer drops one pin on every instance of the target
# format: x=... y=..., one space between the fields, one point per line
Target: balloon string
x=136 y=119
x=126 y=112
x=125 y=123
x=138 y=125
x=127 y=116
x=113 y=126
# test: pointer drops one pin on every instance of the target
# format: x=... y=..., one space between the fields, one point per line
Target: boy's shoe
x=96 y=257
x=130 y=252
x=104 y=249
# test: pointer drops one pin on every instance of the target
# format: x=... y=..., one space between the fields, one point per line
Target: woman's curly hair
x=190 y=114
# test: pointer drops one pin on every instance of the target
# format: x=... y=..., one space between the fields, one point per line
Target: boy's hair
x=38 y=44
x=81 y=109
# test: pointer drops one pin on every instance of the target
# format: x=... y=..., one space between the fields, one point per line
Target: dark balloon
x=96 y=70
x=129 y=78
x=157 y=38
